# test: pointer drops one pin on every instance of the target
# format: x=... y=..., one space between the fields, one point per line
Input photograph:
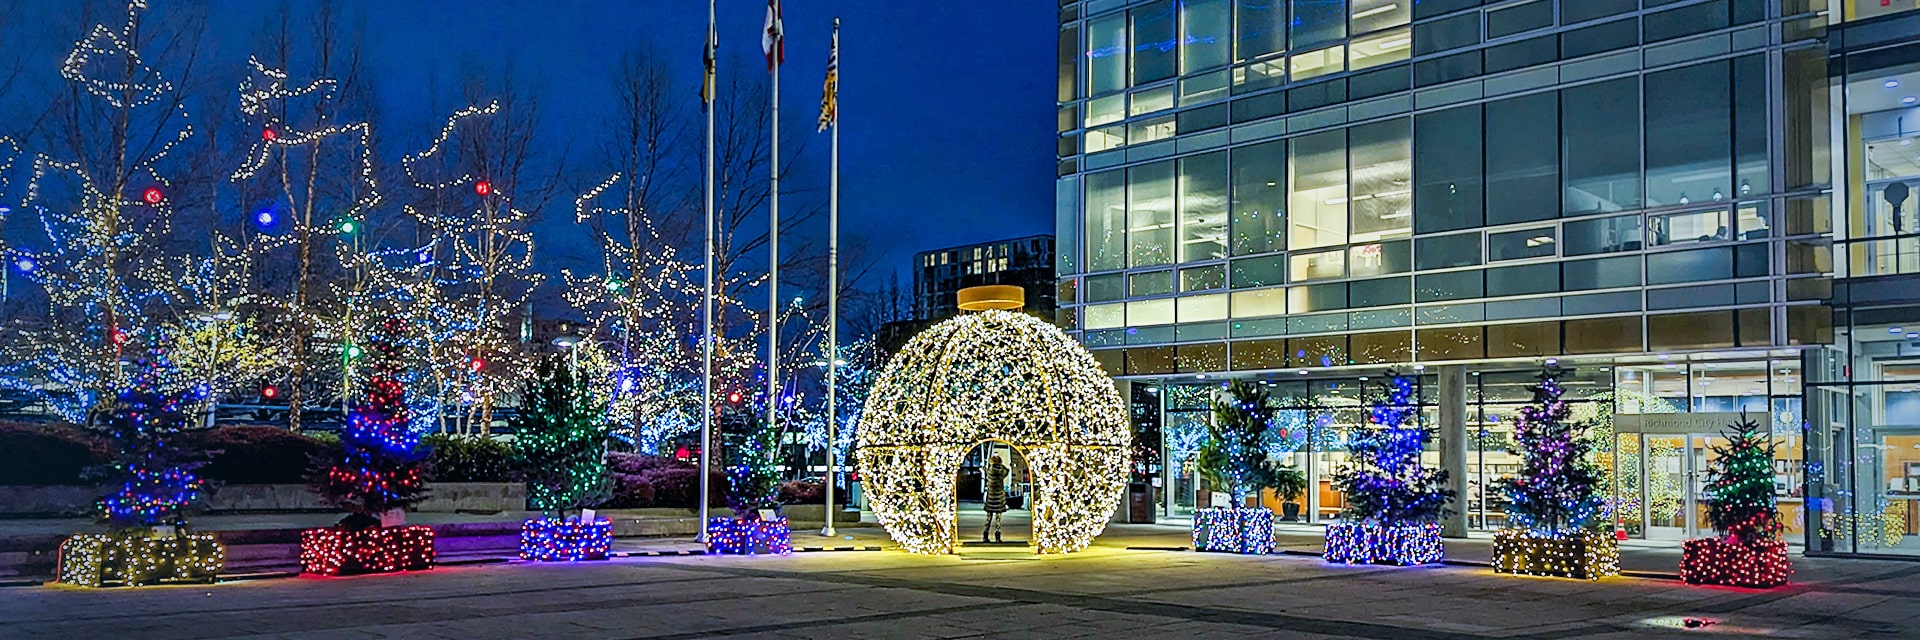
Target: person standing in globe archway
x=996 y=497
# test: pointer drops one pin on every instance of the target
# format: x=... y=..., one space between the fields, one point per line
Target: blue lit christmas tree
x=157 y=483
x=380 y=465
x=1383 y=480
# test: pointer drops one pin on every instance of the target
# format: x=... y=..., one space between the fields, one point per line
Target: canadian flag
x=774 y=41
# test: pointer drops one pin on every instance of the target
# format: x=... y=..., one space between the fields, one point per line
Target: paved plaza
x=1118 y=589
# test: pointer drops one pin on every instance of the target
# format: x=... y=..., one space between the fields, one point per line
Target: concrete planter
x=1243 y=531
x=1583 y=555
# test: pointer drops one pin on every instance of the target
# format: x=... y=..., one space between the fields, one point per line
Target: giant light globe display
x=994 y=375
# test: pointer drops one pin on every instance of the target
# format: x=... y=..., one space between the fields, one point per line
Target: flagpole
x=773 y=222
x=833 y=282
x=706 y=303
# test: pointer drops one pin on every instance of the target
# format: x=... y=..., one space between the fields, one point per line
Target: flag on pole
x=830 y=94
x=707 y=88
x=774 y=41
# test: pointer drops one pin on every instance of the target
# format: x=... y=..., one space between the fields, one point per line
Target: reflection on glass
x=1203 y=207
x=1150 y=215
x=1317 y=174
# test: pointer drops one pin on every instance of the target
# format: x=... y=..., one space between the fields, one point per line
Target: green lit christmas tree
x=560 y=439
x=1740 y=501
x=1234 y=457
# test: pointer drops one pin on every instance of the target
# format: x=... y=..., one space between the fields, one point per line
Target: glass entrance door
x=1667 y=494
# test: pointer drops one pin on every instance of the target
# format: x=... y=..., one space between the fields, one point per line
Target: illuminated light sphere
x=269 y=135
x=353 y=351
x=264 y=217
x=153 y=195
x=483 y=188
x=347 y=226
x=994 y=376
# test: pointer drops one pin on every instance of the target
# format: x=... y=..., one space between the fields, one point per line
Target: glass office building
x=1649 y=192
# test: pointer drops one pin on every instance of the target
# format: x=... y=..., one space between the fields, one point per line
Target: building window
x=1150 y=215
x=1203 y=278
x=1107 y=54
x=1689 y=123
x=1318 y=266
x=1682 y=228
x=1600 y=144
x=1203 y=207
x=1206 y=32
x=1517 y=245
x=1261 y=28
x=1154 y=49
x=1317 y=175
x=1258 y=272
x=1373 y=15
x=1106 y=221
x=1380 y=258
x=1450 y=189
x=1152 y=283
x=1440 y=252
x=1602 y=235
x=1317 y=21
x=1378 y=49
x=1382 y=199
x=1259 y=198
x=1523 y=159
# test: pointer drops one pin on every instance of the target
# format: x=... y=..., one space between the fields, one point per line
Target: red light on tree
x=269 y=135
x=153 y=195
x=734 y=397
x=477 y=364
x=269 y=392
x=483 y=188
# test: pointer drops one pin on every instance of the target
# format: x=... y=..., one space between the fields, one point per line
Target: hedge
x=641 y=481
x=458 y=458
x=256 y=454
x=42 y=454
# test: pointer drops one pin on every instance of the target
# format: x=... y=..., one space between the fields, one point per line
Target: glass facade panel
x=1261 y=28
x=1203 y=207
x=1523 y=159
x=1382 y=196
x=1602 y=235
x=1317 y=181
x=1150 y=215
x=1516 y=245
x=1316 y=21
x=1154 y=50
x=1689 y=124
x=1206 y=34
x=1106 y=218
x=1600 y=147
x=1378 y=49
x=1440 y=252
x=1449 y=190
x=1259 y=198
x=1107 y=54
x=1318 y=266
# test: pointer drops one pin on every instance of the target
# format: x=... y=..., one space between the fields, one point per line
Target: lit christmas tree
x=157 y=488
x=560 y=436
x=156 y=472
x=1557 y=488
x=1748 y=552
x=1383 y=480
x=1394 y=504
x=1234 y=457
x=1554 y=503
x=380 y=466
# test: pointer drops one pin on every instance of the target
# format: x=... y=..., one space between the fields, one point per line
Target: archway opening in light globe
x=993 y=375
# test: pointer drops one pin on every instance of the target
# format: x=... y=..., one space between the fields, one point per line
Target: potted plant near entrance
x=1553 y=502
x=1748 y=552
x=1233 y=460
x=560 y=443
x=1394 y=504
x=1289 y=483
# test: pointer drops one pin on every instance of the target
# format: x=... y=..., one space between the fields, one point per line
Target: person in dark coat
x=996 y=498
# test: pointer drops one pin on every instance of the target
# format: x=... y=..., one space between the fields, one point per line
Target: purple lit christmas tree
x=1554 y=502
x=1557 y=487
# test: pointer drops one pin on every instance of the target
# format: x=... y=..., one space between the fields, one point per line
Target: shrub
x=458 y=458
x=256 y=454
x=641 y=480
x=803 y=492
x=39 y=454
